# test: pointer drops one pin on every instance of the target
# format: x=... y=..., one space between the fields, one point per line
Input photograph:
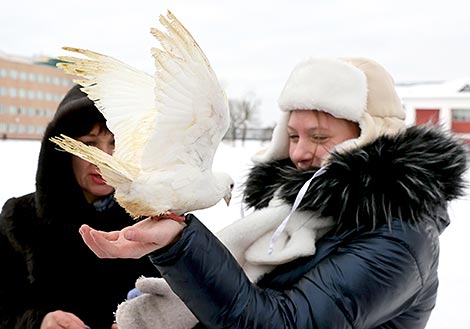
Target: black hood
x=410 y=176
x=56 y=188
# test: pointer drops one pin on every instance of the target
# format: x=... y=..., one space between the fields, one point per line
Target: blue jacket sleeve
x=360 y=285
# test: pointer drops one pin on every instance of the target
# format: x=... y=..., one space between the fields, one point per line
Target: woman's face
x=86 y=174
x=312 y=135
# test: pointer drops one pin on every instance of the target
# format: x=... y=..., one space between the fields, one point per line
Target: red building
x=446 y=103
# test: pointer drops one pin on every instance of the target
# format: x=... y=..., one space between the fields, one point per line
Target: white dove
x=167 y=128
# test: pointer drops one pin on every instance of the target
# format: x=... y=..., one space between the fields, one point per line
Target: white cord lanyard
x=297 y=201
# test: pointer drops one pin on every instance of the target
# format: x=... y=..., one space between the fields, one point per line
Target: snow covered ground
x=17 y=177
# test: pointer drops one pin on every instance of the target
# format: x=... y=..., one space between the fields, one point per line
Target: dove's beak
x=227 y=198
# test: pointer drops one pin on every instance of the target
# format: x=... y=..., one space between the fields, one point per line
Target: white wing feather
x=128 y=92
x=177 y=118
x=193 y=108
x=167 y=128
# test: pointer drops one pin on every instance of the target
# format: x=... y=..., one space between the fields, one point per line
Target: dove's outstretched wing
x=175 y=119
x=167 y=127
x=193 y=113
x=122 y=93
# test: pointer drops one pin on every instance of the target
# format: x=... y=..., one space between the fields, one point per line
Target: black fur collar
x=410 y=176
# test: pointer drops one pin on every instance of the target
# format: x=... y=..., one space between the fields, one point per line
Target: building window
x=462 y=115
x=3 y=73
x=12 y=92
x=31 y=94
x=13 y=74
x=460 y=121
x=39 y=130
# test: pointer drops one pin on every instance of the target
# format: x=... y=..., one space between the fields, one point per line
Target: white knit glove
x=157 y=308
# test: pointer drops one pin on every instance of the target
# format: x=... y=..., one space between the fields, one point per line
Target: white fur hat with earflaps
x=356 y=89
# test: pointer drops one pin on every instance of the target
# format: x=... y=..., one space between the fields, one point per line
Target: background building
x=445 y=103
x=32 y=88
x=30 y=91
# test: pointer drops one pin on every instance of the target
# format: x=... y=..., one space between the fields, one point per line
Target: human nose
x=303 y=155
x=108 y=148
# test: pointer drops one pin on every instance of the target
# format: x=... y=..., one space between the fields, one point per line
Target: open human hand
x=133 y=241
x=61 y=319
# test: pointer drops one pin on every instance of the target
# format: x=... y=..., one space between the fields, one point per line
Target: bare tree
x=243 y=112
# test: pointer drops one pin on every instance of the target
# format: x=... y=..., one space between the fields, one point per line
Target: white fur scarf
x=248 y=240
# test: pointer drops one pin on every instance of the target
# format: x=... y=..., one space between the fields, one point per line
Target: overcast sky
x=254 y=44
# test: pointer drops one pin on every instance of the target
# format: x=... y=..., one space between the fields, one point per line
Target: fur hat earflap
x=355 y=89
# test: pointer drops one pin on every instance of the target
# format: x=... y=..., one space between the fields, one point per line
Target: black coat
x=376 y=269
x=46 y=266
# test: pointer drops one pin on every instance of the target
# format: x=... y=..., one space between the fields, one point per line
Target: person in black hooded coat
x=386 y=189
x=46 y=266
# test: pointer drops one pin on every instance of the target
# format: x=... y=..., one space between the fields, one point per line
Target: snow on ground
x=17 y=177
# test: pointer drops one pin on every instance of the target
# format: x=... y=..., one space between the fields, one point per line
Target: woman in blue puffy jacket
x=362 y=248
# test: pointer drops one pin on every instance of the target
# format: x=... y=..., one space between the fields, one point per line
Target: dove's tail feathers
x=112 y=170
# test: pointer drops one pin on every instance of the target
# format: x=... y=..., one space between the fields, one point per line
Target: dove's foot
x=172 y=216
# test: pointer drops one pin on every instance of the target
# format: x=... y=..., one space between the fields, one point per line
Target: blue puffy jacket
x=376 y=269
